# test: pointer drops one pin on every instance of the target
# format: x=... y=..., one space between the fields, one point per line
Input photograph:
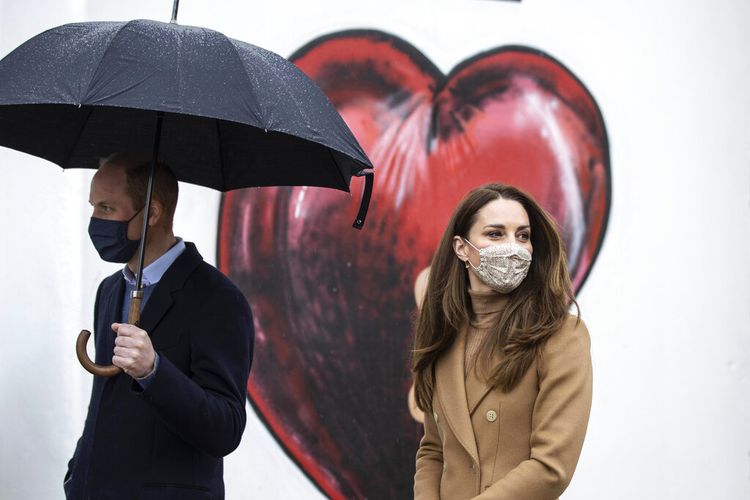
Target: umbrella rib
x=247 y=77
x=82 y=98
x=104 y=53
x=72 y=150
x=338 y=169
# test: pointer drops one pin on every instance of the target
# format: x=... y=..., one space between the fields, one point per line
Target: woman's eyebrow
x=502 y=226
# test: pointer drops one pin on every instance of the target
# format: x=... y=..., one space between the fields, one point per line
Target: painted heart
x=334 y=306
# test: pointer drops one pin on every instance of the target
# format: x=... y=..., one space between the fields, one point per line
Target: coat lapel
x=476 y=389
x=451 y=390
x=173 y=280
x=477 y=386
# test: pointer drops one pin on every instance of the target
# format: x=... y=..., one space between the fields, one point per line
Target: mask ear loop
x=133 y=217
x=468 y=263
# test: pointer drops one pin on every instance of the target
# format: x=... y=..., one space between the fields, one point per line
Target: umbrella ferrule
x=175 y=6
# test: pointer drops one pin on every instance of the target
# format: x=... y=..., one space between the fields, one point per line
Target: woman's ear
x=461 y=249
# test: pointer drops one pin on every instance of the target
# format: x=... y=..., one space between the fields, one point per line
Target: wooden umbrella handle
x=88 y=365
x=134 y=316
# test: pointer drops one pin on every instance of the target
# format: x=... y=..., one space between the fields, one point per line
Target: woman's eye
x=524 y=236
x=495 y=234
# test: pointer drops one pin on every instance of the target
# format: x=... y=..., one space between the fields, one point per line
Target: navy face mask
x=110 y=238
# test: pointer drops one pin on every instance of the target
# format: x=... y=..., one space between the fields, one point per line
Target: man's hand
x=133 y=352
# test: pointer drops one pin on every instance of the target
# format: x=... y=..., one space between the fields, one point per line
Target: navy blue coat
x=167 y=441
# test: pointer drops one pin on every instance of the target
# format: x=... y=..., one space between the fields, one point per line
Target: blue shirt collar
x=154 y=271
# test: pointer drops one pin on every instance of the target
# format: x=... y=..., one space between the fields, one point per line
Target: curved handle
x=366 y=194
x=88 y=365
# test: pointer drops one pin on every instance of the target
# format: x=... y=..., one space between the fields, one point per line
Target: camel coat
x=522 y=445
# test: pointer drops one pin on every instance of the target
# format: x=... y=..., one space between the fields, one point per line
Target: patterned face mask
x=502 y=267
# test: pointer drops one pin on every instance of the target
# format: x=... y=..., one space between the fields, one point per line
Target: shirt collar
x=154 y=271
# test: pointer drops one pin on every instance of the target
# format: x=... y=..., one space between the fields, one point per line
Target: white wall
x=667 y=302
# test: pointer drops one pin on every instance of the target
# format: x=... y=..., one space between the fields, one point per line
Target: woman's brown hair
x=536 y=309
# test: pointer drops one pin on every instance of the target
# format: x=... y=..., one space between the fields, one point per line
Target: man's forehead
x=108 y=181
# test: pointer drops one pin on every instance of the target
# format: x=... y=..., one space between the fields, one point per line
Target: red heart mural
x=334 y=306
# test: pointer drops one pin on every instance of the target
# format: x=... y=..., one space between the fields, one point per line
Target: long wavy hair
x=535 y=310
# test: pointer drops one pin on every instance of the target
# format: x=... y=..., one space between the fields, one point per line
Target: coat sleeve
x=429 y=462
x=559 y=421
x=207 y=408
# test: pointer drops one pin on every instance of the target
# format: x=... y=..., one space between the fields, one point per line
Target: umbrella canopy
x=235 y=115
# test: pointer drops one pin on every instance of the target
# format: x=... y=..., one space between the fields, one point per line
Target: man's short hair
x=137 y=168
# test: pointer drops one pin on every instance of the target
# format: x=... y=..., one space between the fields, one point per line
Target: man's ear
x=156 y=214
x=460 y=248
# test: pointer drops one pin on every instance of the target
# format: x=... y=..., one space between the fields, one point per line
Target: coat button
x=473 y=467
x=434 y=414
x=491 y=415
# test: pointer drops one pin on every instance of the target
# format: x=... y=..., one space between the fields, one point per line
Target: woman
x=502 y=370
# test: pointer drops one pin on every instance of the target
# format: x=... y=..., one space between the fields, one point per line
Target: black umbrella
x=222 y=113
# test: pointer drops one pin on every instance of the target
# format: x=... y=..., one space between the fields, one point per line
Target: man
x=161 y=428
